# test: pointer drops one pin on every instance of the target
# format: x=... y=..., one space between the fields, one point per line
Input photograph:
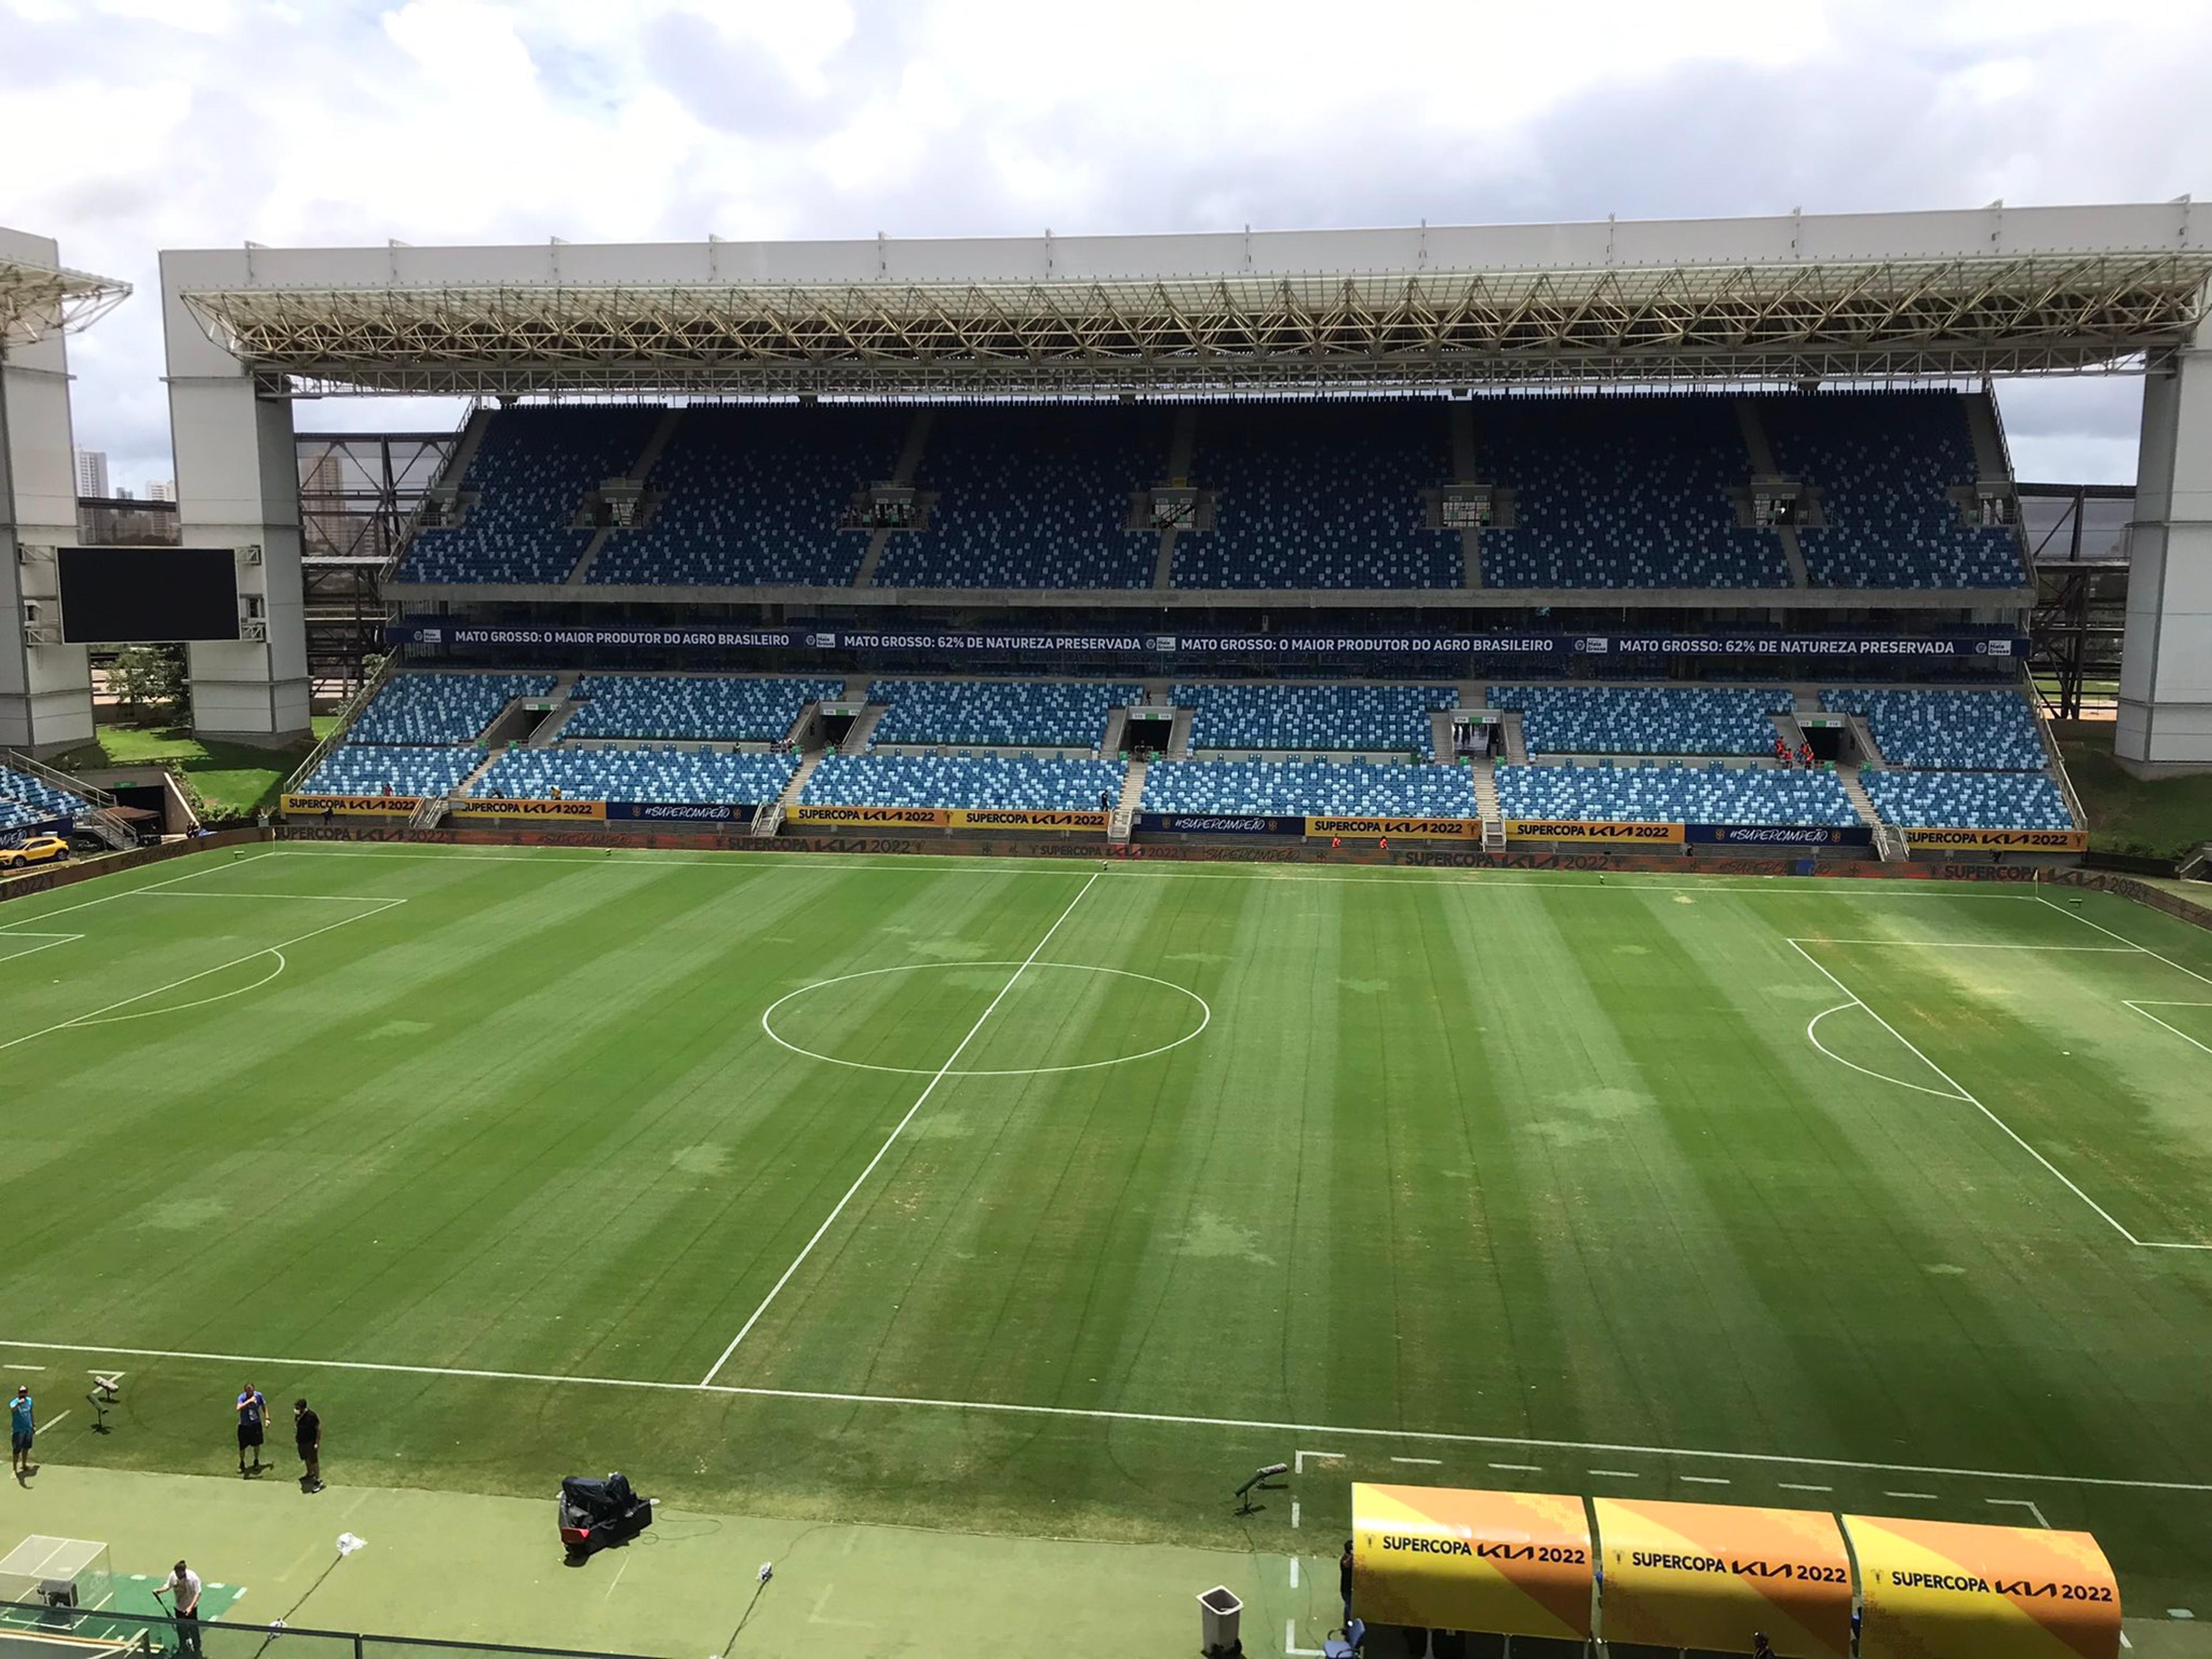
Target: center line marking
x=920 y=1101
x=1434 y=1462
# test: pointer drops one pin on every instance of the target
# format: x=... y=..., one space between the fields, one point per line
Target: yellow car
x=39 y=849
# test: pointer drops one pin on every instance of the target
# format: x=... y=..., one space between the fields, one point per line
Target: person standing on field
x=307 y=1433
x=1343 y=1582
x=253 y=1424
x=21 y=1425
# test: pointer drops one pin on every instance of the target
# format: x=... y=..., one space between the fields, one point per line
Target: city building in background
x=92 y=474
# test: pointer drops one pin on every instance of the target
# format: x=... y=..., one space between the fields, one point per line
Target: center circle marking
x=1205 y=1018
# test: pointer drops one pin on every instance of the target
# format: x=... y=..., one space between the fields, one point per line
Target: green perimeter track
x=1543 y=1179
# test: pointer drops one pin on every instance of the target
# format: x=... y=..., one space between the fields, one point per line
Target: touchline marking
x=1520 y=1469
x=1095 y=1414
x=1616 y=1475
x=1928 y=1496
x=2144 y=1009
x=52 y=940
x=919 y=1100
x=1798 y=945
x=1966 y=945
x=151 y=886
x=1436 y=1462
x=2069 y=910
x=1707 y=1479
x=1799 y=1485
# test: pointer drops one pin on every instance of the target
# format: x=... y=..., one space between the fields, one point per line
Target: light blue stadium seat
x=1651 y=793
x=1310 y=788
x=725 y=709
x=35 y=800
x=1968 y=800
x=1626 y=719
x=981 y=781
x=688 y=777
x=1960 y=730
x=1004 y=713
x=371 y=768
x=1314 y=717
x=429 y=708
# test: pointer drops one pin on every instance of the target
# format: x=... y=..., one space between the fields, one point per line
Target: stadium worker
x=182 y=1586
x=253 y=1424
x=1343 y=1582
x=20 y=1425
x=307 y=1433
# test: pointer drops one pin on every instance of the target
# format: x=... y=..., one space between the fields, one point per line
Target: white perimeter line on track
x=919 y=1100
x=1428 y=1436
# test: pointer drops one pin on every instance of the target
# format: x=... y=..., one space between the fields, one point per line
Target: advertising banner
x=1220 y=823
x=1708 y=1575
x=1514 y=1563
x=1778 y=835
x=909 y=817
x=352 y=806
x=1942 y=1589
x=694 y=811
x=986 y=817
x=2003 y=841
x=1571 y=829
x=22 y=832
x=1410 y=828
x=581 y=811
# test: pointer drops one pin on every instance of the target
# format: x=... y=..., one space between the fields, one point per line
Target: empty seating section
x=1033 y=496
x=1673 y=794
x=1968 y=800
x=1883 y=463
x=1003 y=713
x=640 y=774
x=694 y=705
x=532 y=472
x=1320 y=494
x=434 y=708
x=1314 y=717
x=751 y=496
x=1622 y=720
x=374 y=768
x=978 y=780
x=1310 y=789
x=1621 y=492
x=27 y=799
x=1991 y=731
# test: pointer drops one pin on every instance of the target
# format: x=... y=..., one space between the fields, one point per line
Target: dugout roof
x=1992 y=291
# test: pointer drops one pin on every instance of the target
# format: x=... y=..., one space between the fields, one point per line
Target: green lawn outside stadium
x=1545 y=1180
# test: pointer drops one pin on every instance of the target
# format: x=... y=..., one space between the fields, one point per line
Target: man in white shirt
x=183 y=1586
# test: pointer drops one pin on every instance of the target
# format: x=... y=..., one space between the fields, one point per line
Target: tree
x=150 y=676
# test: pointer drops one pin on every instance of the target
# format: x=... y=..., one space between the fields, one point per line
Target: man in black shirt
x=1343 y=1582
x=307 y=1433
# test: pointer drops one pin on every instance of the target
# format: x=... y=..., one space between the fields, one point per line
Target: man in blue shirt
x=252 y=1419
x=20 y=1427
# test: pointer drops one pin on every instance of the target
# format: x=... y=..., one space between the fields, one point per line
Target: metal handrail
x=347 y=715
x=17 y=761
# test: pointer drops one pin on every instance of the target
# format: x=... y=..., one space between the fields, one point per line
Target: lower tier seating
x=1990 y=731
x=1010 y=713
x=1623 y=719
x=38 y=799
x=1310 y=788
x=1968 y=800
x=439 y=707
x=1318 y=717
x=723 y=708
x=372 y=768
x=640 y=774
x=1673 y=794
x=979 y=781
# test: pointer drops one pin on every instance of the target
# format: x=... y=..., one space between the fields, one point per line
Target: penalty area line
x=1097 y=1414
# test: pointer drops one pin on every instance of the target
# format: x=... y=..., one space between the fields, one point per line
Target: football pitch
x=1046 y=1198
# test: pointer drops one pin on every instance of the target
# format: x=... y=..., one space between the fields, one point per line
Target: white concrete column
x=238 y=486
x=2166 y=670
x=46 y=690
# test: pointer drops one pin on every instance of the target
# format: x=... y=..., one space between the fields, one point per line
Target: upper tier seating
x=439 y=707
x=1883 y=462
x=1968 y=800
x=38 y=798
x=1320 y=494
x=532 y=471
x=1673 y=794
x=370 y=768
x=639 y=774
x=719 y=708
x=751 y=496
x=1004 y=713
x=1314 y=717
x=978 y=780
x=1992 y=730
x=1621 y=492
x=1310 y=789
x=1623 y=719
x=1034 y=496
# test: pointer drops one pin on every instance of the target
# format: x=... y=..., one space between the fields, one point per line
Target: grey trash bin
x=1219 y=1612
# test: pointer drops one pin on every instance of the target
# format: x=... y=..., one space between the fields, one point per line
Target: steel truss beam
x=1965 y=316
x=37 y=301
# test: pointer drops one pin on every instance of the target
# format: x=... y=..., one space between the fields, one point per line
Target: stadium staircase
x=902 y=474
x=1179 y=453
x=1123 y=818
x=550 y=729
x=1889 y=843
x=430 y=811
x=642 y=469
x=1179 y=734
x=101 y=821
x=460 y=791
x=1870 y=755
x=769 y=817
x=1511 y=734
x=1786 y=727
x=1763 y=465
x=1483 y=774
x=1467 y=468
x=864 y=729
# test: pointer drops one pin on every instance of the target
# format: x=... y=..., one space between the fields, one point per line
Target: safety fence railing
x=359 y=700
x=30 y=1629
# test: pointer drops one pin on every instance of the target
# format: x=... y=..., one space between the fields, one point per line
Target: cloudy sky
x=156 y=123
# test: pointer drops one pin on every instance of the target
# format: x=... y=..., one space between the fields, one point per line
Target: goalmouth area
x=1049 y=1200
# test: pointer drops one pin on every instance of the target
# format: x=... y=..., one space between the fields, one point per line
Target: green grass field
x=1053 y=1200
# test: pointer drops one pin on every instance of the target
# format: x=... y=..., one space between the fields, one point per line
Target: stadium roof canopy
x=1994 y=290
x=38 y=296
